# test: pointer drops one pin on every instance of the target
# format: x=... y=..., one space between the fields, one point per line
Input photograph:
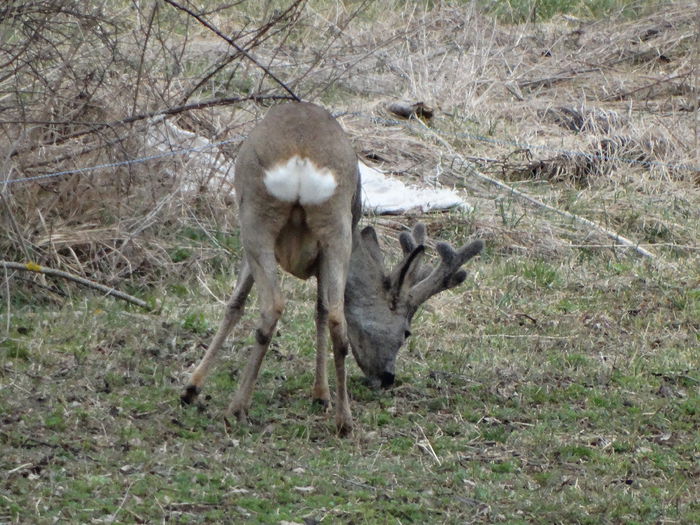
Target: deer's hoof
x=344 y=427
x=189 y=395
x=239 y=412
x=323 y=404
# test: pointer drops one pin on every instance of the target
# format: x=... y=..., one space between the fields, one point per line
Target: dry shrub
x=80 y=85
x=80 y=82
x=602 y=157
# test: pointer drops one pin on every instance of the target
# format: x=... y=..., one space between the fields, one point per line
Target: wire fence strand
x=139 y=160
x=376 y=120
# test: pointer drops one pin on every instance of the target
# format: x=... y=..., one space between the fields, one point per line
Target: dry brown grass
x=567 y=107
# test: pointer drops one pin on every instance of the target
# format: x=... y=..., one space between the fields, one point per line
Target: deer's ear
x=369 y=232
x=371 y=243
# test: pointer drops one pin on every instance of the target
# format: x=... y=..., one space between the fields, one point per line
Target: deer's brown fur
x=298 y=192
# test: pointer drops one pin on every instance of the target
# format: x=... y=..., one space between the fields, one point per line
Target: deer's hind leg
x=321 y=393
x=233 y=313
x=333 y=272
x=263 y=264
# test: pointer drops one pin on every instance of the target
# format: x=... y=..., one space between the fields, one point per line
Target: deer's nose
x=387 y=379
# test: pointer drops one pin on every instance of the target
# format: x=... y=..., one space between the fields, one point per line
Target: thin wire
x=128 y=162
x=378 y=120
x=524 y=145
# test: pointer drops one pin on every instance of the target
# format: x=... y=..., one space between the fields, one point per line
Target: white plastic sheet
x=386 y=195
x=381 y=194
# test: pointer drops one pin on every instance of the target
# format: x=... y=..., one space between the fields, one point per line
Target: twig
x=624 y=94
x=19 y=239
x=14 y=227
x=142 y=58
x=33 y=267
x=523 y=336
x=121 y=505
x=696 y=87
x=524 y=196
x=356 y=483
x=232 y=43
x=262 y=34
x=425 y=445
x=9 y=304
x=20 y=467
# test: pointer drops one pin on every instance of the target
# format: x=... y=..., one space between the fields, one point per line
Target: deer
x=298 y=193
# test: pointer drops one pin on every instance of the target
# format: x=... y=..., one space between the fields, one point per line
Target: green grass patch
x=519 y=11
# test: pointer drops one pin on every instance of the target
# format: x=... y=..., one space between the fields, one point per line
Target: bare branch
x=223 y=101
x=33 y=267
x=232 y=43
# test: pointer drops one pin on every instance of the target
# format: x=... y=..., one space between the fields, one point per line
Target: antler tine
x=408 y=244
x=447 y=274
x=419 y=233
x=409 y=241
x=410 y=271
x=407 y=270
x=469 y=251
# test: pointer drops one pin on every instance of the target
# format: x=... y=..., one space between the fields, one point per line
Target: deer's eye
x=407 y=334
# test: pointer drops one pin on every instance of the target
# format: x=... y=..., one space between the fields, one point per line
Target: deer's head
x=380 y=304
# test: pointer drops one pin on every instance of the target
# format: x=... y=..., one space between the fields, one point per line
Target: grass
x=519 y=11
x=575 y=400
x=559 y=384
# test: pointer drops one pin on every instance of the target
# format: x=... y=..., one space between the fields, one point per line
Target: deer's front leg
x=343 y=415
x=234 y=311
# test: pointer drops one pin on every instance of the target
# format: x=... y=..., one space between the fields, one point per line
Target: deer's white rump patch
x=300 y=180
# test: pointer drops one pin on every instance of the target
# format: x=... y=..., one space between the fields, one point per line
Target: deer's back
x=298 y=163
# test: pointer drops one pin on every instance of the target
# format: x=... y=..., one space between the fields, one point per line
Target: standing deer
x=297 y=188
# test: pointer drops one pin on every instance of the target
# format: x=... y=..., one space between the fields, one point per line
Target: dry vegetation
x=560 y=385
x=588 y=104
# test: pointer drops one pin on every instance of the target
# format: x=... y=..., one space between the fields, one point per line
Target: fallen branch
x=576 y=218
x=33 y=267
x=562 y=76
